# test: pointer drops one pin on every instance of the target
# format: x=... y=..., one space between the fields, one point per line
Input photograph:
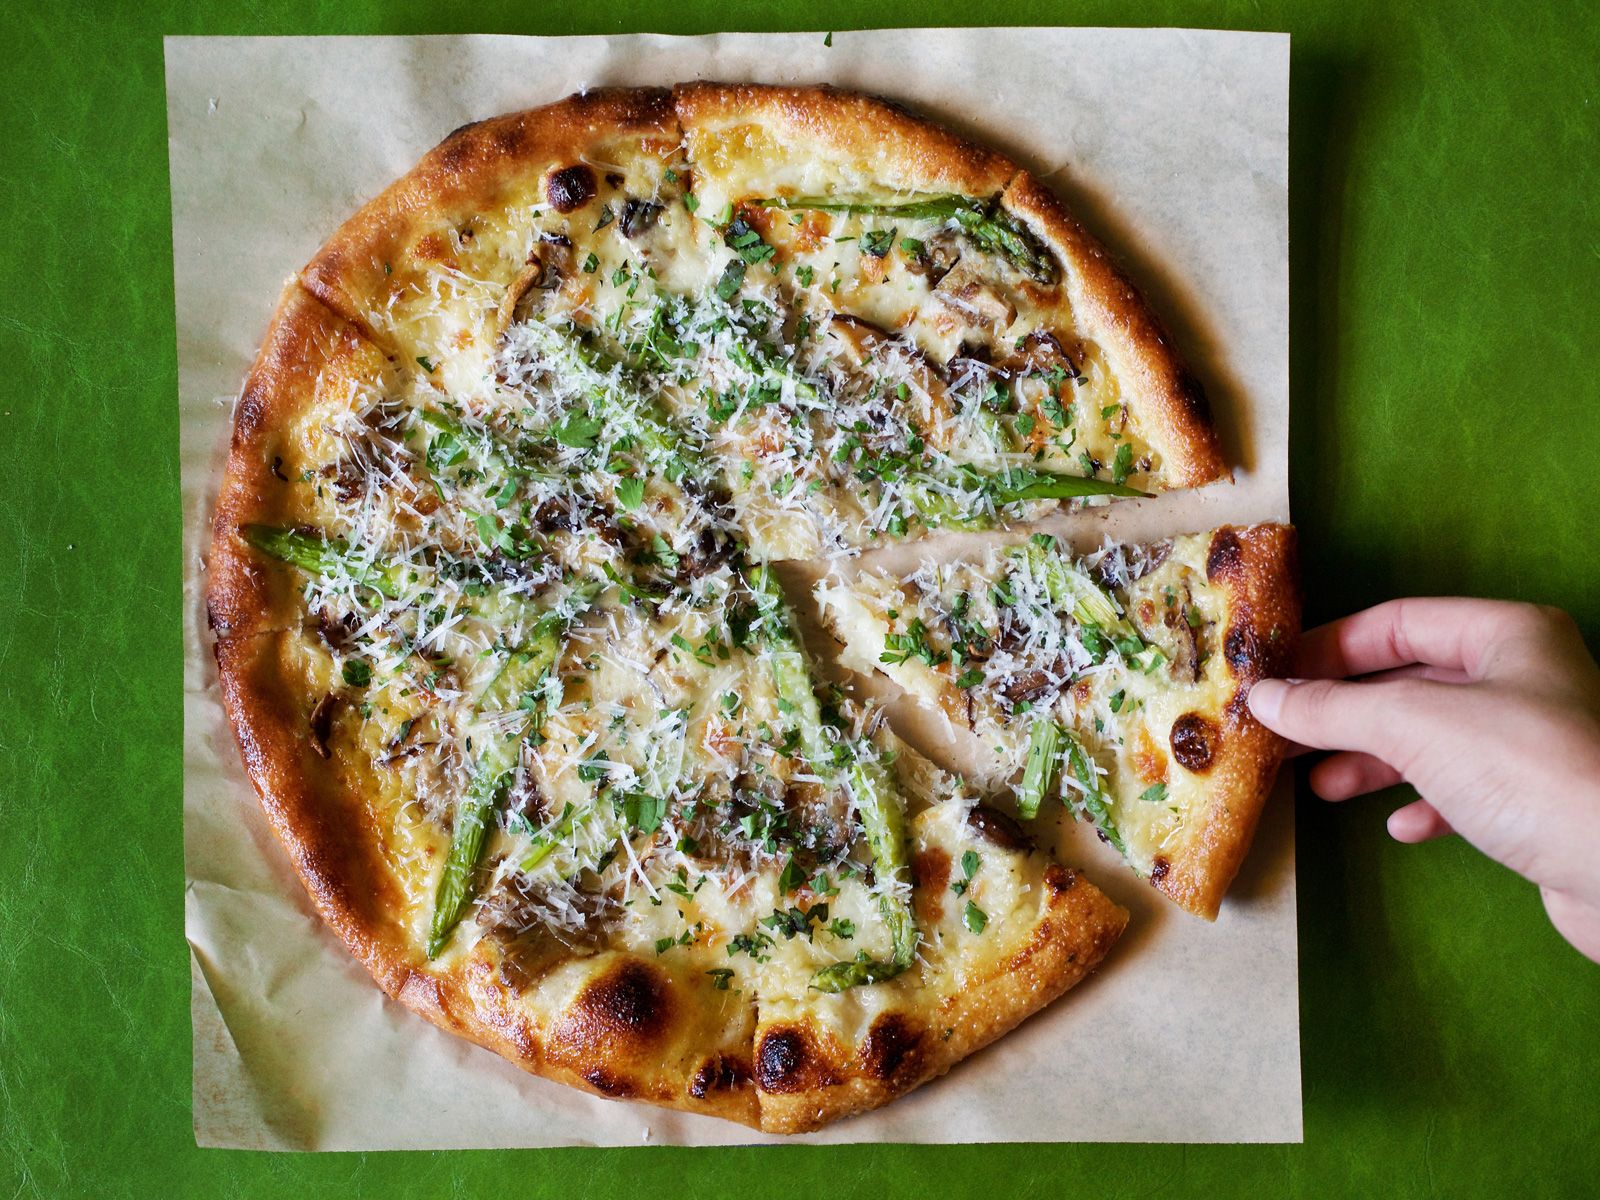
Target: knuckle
x=1524 y=620
x=1556 y=618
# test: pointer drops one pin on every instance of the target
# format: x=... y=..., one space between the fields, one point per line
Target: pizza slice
x=1113 y=683
x=1000 y=930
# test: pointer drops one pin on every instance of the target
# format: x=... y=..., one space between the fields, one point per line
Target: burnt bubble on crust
x=1194 y=741
x=719 y=1073
x=1225 y=558
x=787 y=1062
x=570 y=188
x=891 y=1047
x=629 y=1004
x=607 y=1083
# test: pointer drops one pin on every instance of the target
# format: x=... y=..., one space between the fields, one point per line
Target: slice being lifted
x=1113 y=683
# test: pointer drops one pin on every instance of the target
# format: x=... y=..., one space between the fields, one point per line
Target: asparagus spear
x=883 y=821
x=984 y=221
x=768 y=367
x=878 y=807
x=1072 y=589
x=545 y=841
x=1044 y=760
x=1095 y=802
x=791 y=674
x=965 y=497
x=317 y=555
x=1089 y=604
x=524 y=671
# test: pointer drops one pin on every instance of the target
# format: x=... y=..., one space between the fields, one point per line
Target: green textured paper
x=1446 y=257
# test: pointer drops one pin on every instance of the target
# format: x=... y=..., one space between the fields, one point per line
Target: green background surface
x=1445 y=256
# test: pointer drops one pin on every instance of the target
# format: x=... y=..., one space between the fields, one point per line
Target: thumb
x=1332 y=714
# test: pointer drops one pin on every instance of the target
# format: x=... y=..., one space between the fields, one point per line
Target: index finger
x=1440 y=631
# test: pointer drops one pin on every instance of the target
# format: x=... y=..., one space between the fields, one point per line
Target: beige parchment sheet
x=1172 y=146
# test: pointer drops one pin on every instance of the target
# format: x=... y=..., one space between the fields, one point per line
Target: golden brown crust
x=321 y=822
x=1166 y=397
x=806 y=1078
x=305 y=343
x=484 y=167
x=1255 y=569
x=894 y=146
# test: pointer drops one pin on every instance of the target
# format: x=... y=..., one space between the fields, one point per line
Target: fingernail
x=1266 y=699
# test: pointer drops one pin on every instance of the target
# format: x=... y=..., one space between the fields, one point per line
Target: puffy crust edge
x=869 y=130
x=1256 y=570
x=321 y=827
x=324 y=831
x=471 y=171
x=1169 y=400
x=906 y=1048
x=245 y=595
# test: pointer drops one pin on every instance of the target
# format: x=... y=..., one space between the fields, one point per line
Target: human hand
x=1490 y=709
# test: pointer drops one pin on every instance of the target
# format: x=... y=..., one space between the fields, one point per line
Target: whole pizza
x=502 y=634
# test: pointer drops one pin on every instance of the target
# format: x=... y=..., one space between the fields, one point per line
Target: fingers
x=1421 y=671
x=1351 y=774
x=1383 y=719
x=1418 y=821
x=1444 y=631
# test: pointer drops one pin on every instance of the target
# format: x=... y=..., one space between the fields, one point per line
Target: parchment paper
x=1171 y=144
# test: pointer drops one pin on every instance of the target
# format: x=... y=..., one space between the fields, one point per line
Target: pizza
x=1113 y=683
x=497 y=589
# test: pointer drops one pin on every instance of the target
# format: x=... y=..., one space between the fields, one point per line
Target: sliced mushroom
x=860 y=342
x=965 y=292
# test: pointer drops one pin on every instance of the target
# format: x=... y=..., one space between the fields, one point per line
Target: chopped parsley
x=876 y=243
x=732 y=279
x=969 y=868
x=974 y=918
x=630 y=493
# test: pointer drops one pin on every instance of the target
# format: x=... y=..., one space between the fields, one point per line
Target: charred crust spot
x=570 y=188
x=1159 y=869
x=1242 y=649
x=891 y=1047
x=1194 y=742
x=1225 y=556
x=1060 y=879
x=998 y=829
x=720 y=1073
x=629 y=1002
x=785 y=1063
x=1193 y=394
x=605 y=1082
x=780 y=1060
